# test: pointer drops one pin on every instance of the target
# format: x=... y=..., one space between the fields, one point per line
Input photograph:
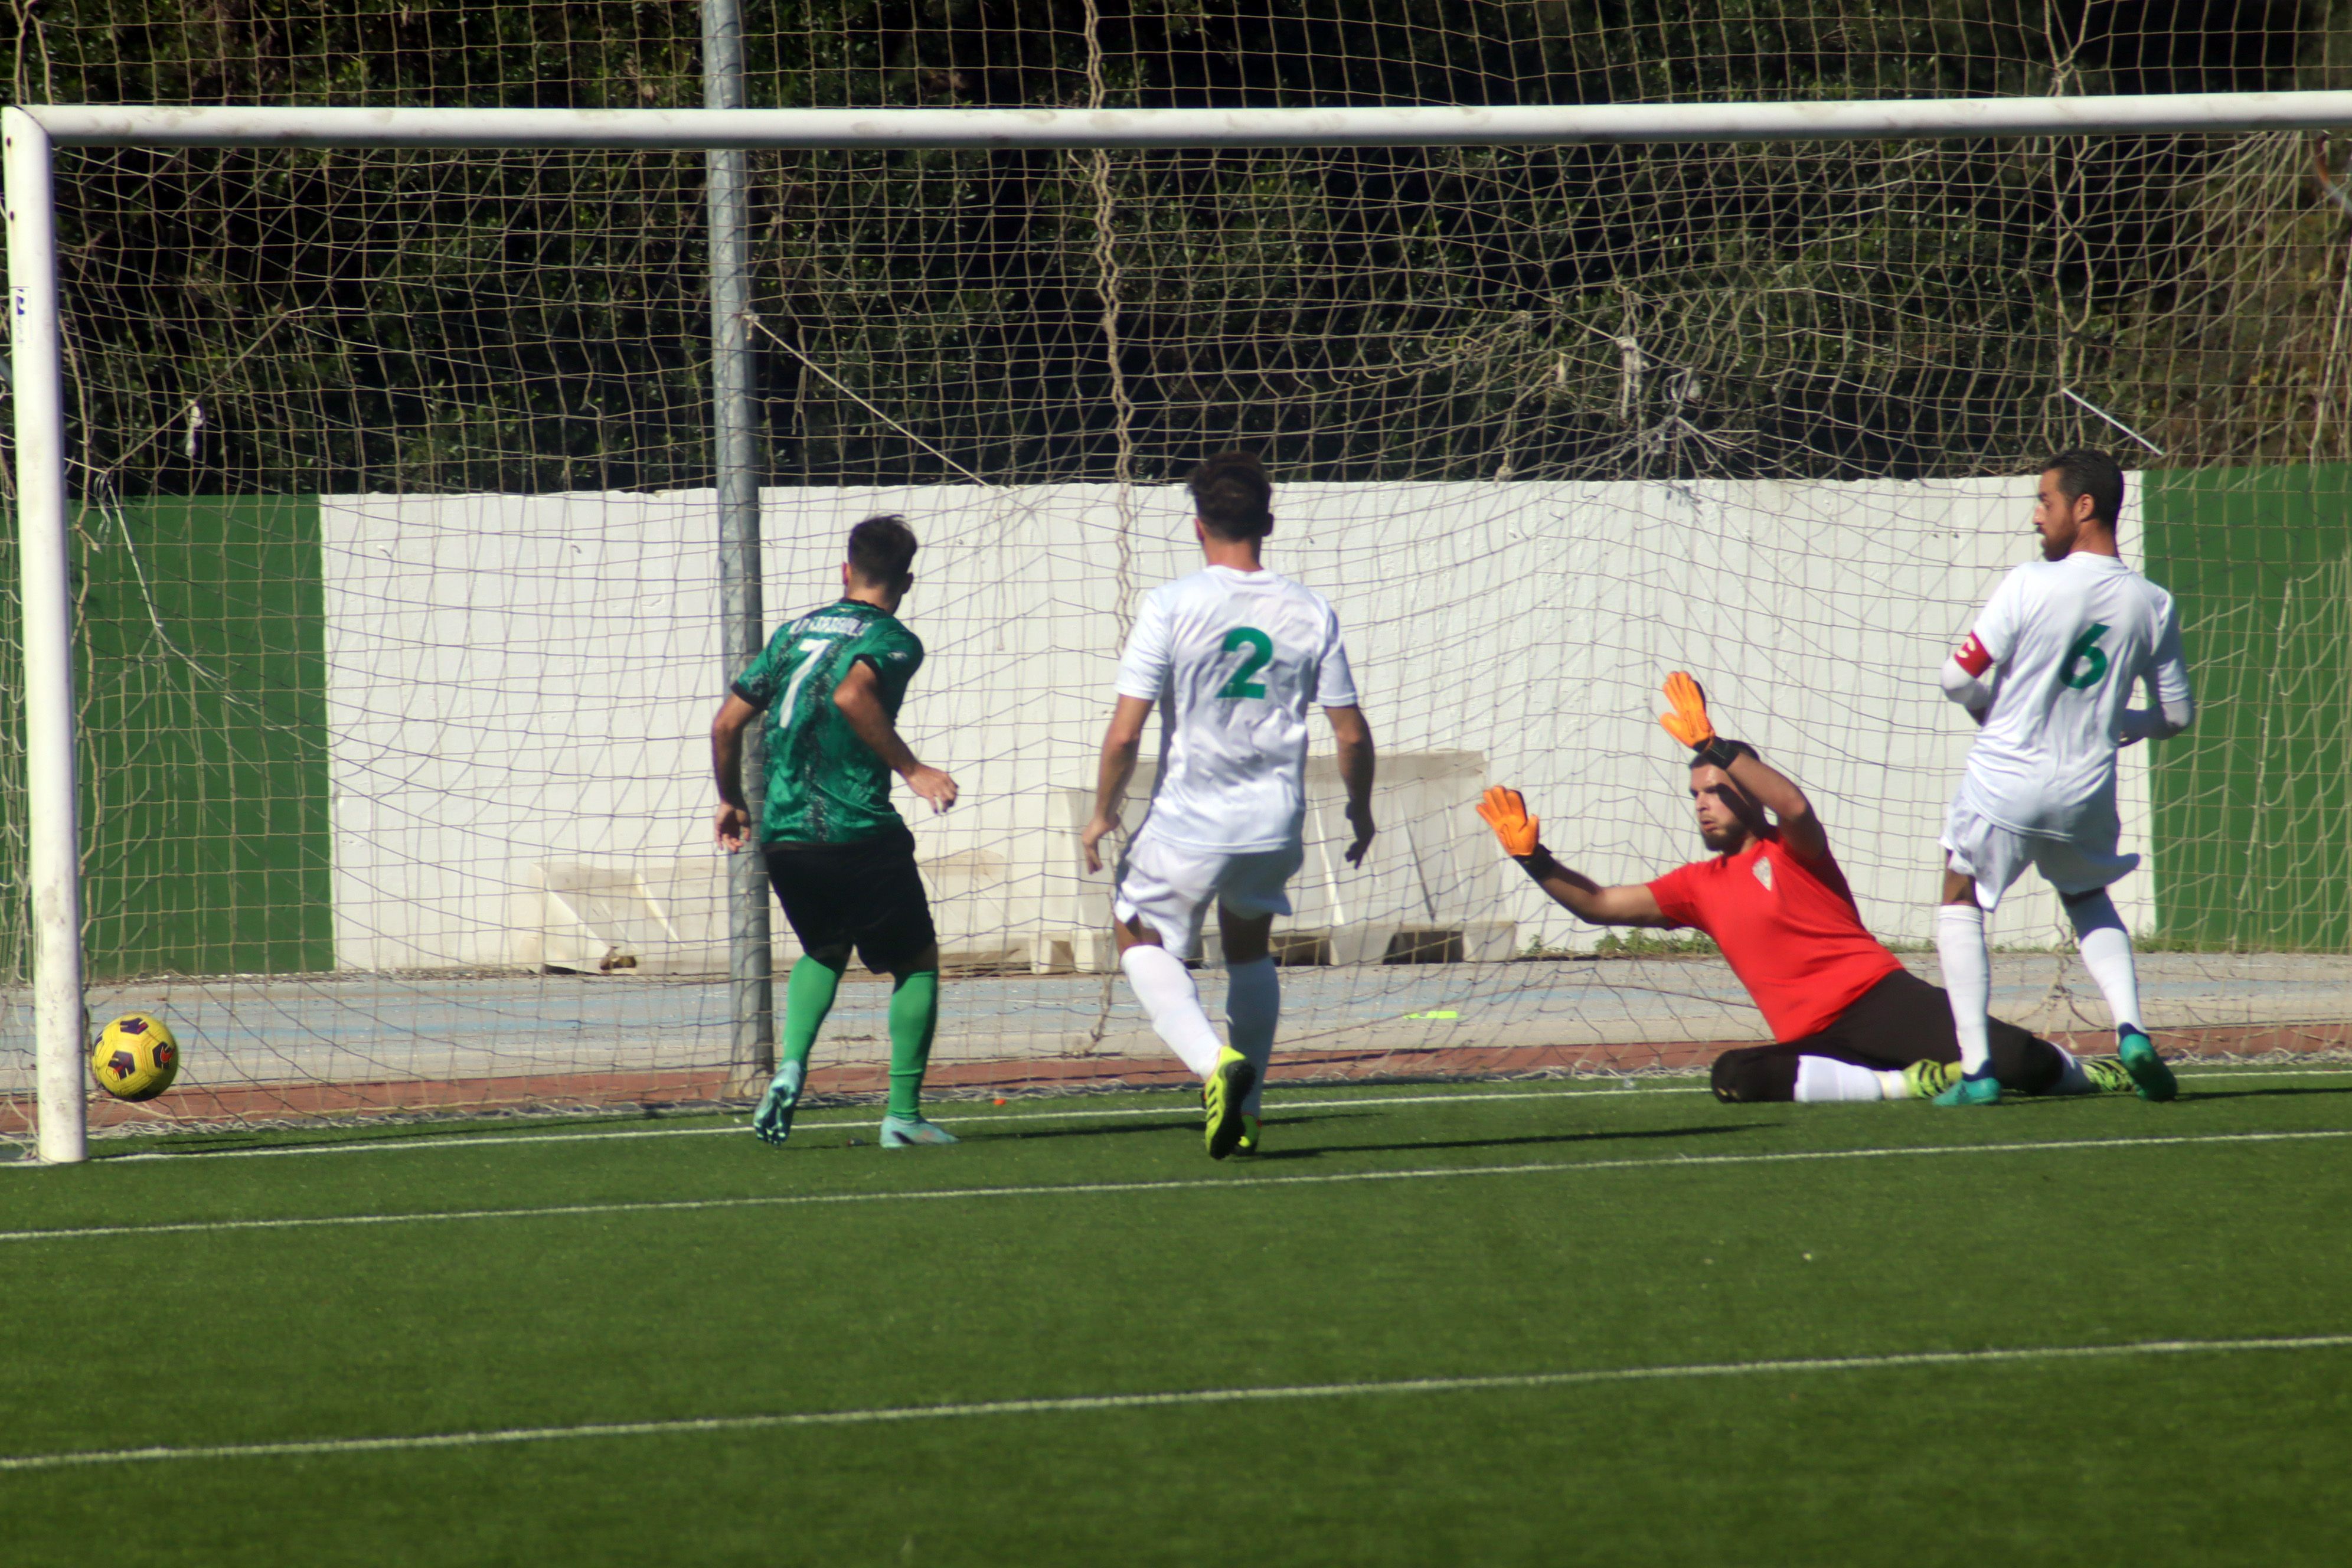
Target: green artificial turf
x=1678 y=1246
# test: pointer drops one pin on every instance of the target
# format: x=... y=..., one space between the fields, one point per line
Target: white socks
x=1173 y=1004
x=2072 y=1079
x=1968 y=980
x=2107 y=954
x=1253 y=1008
x=1826 y=1077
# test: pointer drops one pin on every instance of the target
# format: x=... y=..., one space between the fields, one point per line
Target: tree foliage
x=292 y=321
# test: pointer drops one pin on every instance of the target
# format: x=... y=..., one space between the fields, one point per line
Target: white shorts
x=1172 y=886
x=1996 y=856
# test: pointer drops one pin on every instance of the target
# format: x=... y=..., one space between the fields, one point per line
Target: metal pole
x=43 y=559
x=734 y=430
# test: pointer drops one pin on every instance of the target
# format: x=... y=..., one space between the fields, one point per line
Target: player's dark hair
x=882 y=549
x=2083 y=472
x=1231 y=496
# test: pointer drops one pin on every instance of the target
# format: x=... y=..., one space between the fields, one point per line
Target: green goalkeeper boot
x=2107 y=1075
x=2149 y=1073
x=772 y=1122
x=1981 y=1089
x=1221 y=1098
x=1925 y=1080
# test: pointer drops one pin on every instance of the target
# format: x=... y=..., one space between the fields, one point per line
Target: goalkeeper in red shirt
x=1848 y=1021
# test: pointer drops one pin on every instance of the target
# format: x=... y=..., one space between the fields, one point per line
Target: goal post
x=53 y=839
x=46 y=507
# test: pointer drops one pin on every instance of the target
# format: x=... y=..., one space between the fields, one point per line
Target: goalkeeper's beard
x=1726 y=840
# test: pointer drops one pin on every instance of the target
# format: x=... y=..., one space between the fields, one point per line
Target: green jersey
x=825 y=784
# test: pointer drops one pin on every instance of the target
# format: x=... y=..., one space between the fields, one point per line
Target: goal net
x=394 y=527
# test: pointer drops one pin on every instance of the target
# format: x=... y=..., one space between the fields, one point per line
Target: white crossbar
x=150 y=125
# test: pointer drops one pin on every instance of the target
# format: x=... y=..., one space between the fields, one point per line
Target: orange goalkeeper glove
x=1689 y=723
x=1506 y=812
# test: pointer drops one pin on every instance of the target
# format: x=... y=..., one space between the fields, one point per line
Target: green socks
x=808 y=997
x=914 y=1014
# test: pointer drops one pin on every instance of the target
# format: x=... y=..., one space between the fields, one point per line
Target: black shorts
x=1900 y=1020
x=866 y=894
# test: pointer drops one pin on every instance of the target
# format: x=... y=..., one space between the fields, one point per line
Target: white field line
x=1084 y=1403
x=990 y=1118
x=2269 y=1072
x=1070 y=1189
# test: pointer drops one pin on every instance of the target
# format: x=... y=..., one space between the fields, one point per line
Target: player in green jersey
x=838 y=855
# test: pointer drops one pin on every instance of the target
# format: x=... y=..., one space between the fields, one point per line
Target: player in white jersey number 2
x=2048 y=673
x=1235 y=656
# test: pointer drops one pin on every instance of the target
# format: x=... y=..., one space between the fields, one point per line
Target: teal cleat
x=914 y=1132
x=1977 y=1090
x=772 y=1122
x=2149 y=1073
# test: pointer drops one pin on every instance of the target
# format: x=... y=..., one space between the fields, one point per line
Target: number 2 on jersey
x=2086 y=652
x=1261 y=653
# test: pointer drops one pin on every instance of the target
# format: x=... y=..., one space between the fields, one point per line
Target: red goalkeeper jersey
x=1789 y=927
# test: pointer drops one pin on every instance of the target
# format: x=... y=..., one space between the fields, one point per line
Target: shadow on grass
x=1174 y=1121
x=482 y=1129
x=2072 y=1102
x=2218 y=1095
x=1555 y=1138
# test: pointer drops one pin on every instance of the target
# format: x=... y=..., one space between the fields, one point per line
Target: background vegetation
x=307 y=322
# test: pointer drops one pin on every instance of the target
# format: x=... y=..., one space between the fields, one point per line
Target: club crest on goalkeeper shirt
x=1794 y=936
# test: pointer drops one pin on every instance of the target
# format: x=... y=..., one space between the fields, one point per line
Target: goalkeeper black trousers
x=1900 y=1020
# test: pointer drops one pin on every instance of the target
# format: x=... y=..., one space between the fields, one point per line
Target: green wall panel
x=2254 y=845
x=203 y=698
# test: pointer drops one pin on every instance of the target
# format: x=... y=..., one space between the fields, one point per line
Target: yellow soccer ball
x=135 y=1057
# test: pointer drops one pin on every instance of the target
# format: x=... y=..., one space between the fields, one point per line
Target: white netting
x=396 y=565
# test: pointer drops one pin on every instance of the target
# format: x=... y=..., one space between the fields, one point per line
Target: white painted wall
x=519 y=683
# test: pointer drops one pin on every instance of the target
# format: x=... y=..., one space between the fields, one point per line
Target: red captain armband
x=1972 y=657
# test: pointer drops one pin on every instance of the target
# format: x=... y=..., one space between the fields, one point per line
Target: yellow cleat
x=1248 y=1144
x=1229 y=1084
x=1925 y=1080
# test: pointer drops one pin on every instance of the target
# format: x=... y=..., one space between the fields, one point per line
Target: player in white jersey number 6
x=1235 y=655
x=2048 y=673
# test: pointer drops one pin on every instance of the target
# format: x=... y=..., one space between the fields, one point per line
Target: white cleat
x=914 y=1132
